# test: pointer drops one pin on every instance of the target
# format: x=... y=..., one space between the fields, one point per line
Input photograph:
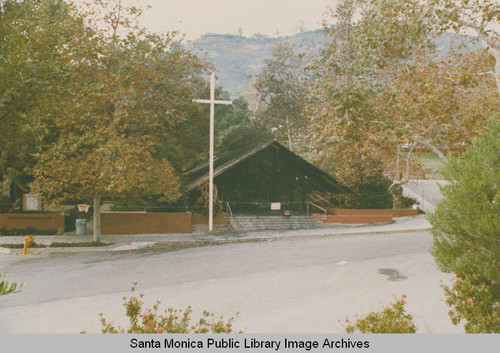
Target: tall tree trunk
x=289 y=133
x=96 y=231
x=408 y=162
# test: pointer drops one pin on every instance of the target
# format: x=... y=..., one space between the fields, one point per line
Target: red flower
x=346 y=320
x=144 y=316
x=150 y=323
x=160 y=329
x=469 y=301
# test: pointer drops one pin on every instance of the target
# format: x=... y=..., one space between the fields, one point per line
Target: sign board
x=32 y=202
x=83 y=207
x=275 y=206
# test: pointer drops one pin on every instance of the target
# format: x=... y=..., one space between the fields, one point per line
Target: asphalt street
x=298 y=285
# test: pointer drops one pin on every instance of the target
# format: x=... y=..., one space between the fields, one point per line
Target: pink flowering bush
x=392 y=319
x=149 y=320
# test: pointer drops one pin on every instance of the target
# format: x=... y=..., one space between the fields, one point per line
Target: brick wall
x=37 y=221
x=373 y=212
x=221 y=218
x=145 y=223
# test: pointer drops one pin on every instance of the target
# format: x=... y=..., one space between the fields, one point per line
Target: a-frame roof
x=199 y=175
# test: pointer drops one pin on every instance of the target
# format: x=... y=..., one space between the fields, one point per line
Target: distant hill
x=237 y=57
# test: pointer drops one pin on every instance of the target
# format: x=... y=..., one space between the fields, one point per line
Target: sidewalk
x=140 y=241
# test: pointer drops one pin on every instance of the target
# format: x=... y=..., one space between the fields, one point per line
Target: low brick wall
x=38 y=221
x=373 y=212
x=221 y=218
x=145 y=223
x=354 y=219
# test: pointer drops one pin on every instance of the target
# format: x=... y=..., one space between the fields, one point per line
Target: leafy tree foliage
x=279 y=86
x=466 y=237
x=245 y=135
x=237 y=131
x=380 y=89
x=366 y=177
x=40 y=43
x=479 y=16
x=100 y=112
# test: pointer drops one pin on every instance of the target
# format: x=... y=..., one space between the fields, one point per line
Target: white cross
x=212 y=103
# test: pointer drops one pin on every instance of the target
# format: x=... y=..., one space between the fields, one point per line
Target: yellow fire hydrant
x=27 y=242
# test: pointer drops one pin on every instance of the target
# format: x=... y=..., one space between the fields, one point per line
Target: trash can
x=81 y=225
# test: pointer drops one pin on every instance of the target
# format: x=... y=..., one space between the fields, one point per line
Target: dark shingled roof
x=198 y=175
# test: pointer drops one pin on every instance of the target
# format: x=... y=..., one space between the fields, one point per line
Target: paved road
x=300 y=285
x=426 y=192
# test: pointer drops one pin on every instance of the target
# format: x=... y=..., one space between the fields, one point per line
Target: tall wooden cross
x=212 y=103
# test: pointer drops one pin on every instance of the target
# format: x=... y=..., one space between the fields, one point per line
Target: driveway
x=426 y=192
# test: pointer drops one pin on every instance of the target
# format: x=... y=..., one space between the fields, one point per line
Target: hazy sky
x=196 y=17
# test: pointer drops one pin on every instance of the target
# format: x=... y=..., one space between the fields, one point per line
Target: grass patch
x=430 y=164
x=89 y=244
x=20 y=246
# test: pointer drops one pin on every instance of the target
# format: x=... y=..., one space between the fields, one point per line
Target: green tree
x=381 y=90
x=40 y=42
x=466 y=234
x=349 y=132
x=124 y=98
x=244 y=136
x=279 y=85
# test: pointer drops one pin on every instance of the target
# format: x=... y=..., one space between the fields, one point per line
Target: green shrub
x=366 y=176
x=472 y=299
x=21 y=245
x=57 y=245
x=466 y=233
x=5 y=288
x=149 y=320
x=392 y=319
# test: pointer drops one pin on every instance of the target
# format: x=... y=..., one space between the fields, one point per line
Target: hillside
x=236 y=57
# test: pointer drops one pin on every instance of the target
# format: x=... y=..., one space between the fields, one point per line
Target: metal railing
x=319 y=207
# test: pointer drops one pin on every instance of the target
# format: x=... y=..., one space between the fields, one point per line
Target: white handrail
x=229 y=209
x=321 y=208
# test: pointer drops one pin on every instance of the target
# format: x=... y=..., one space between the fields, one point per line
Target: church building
x=263 y=179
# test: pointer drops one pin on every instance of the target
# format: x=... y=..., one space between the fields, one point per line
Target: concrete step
x=262 y=223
